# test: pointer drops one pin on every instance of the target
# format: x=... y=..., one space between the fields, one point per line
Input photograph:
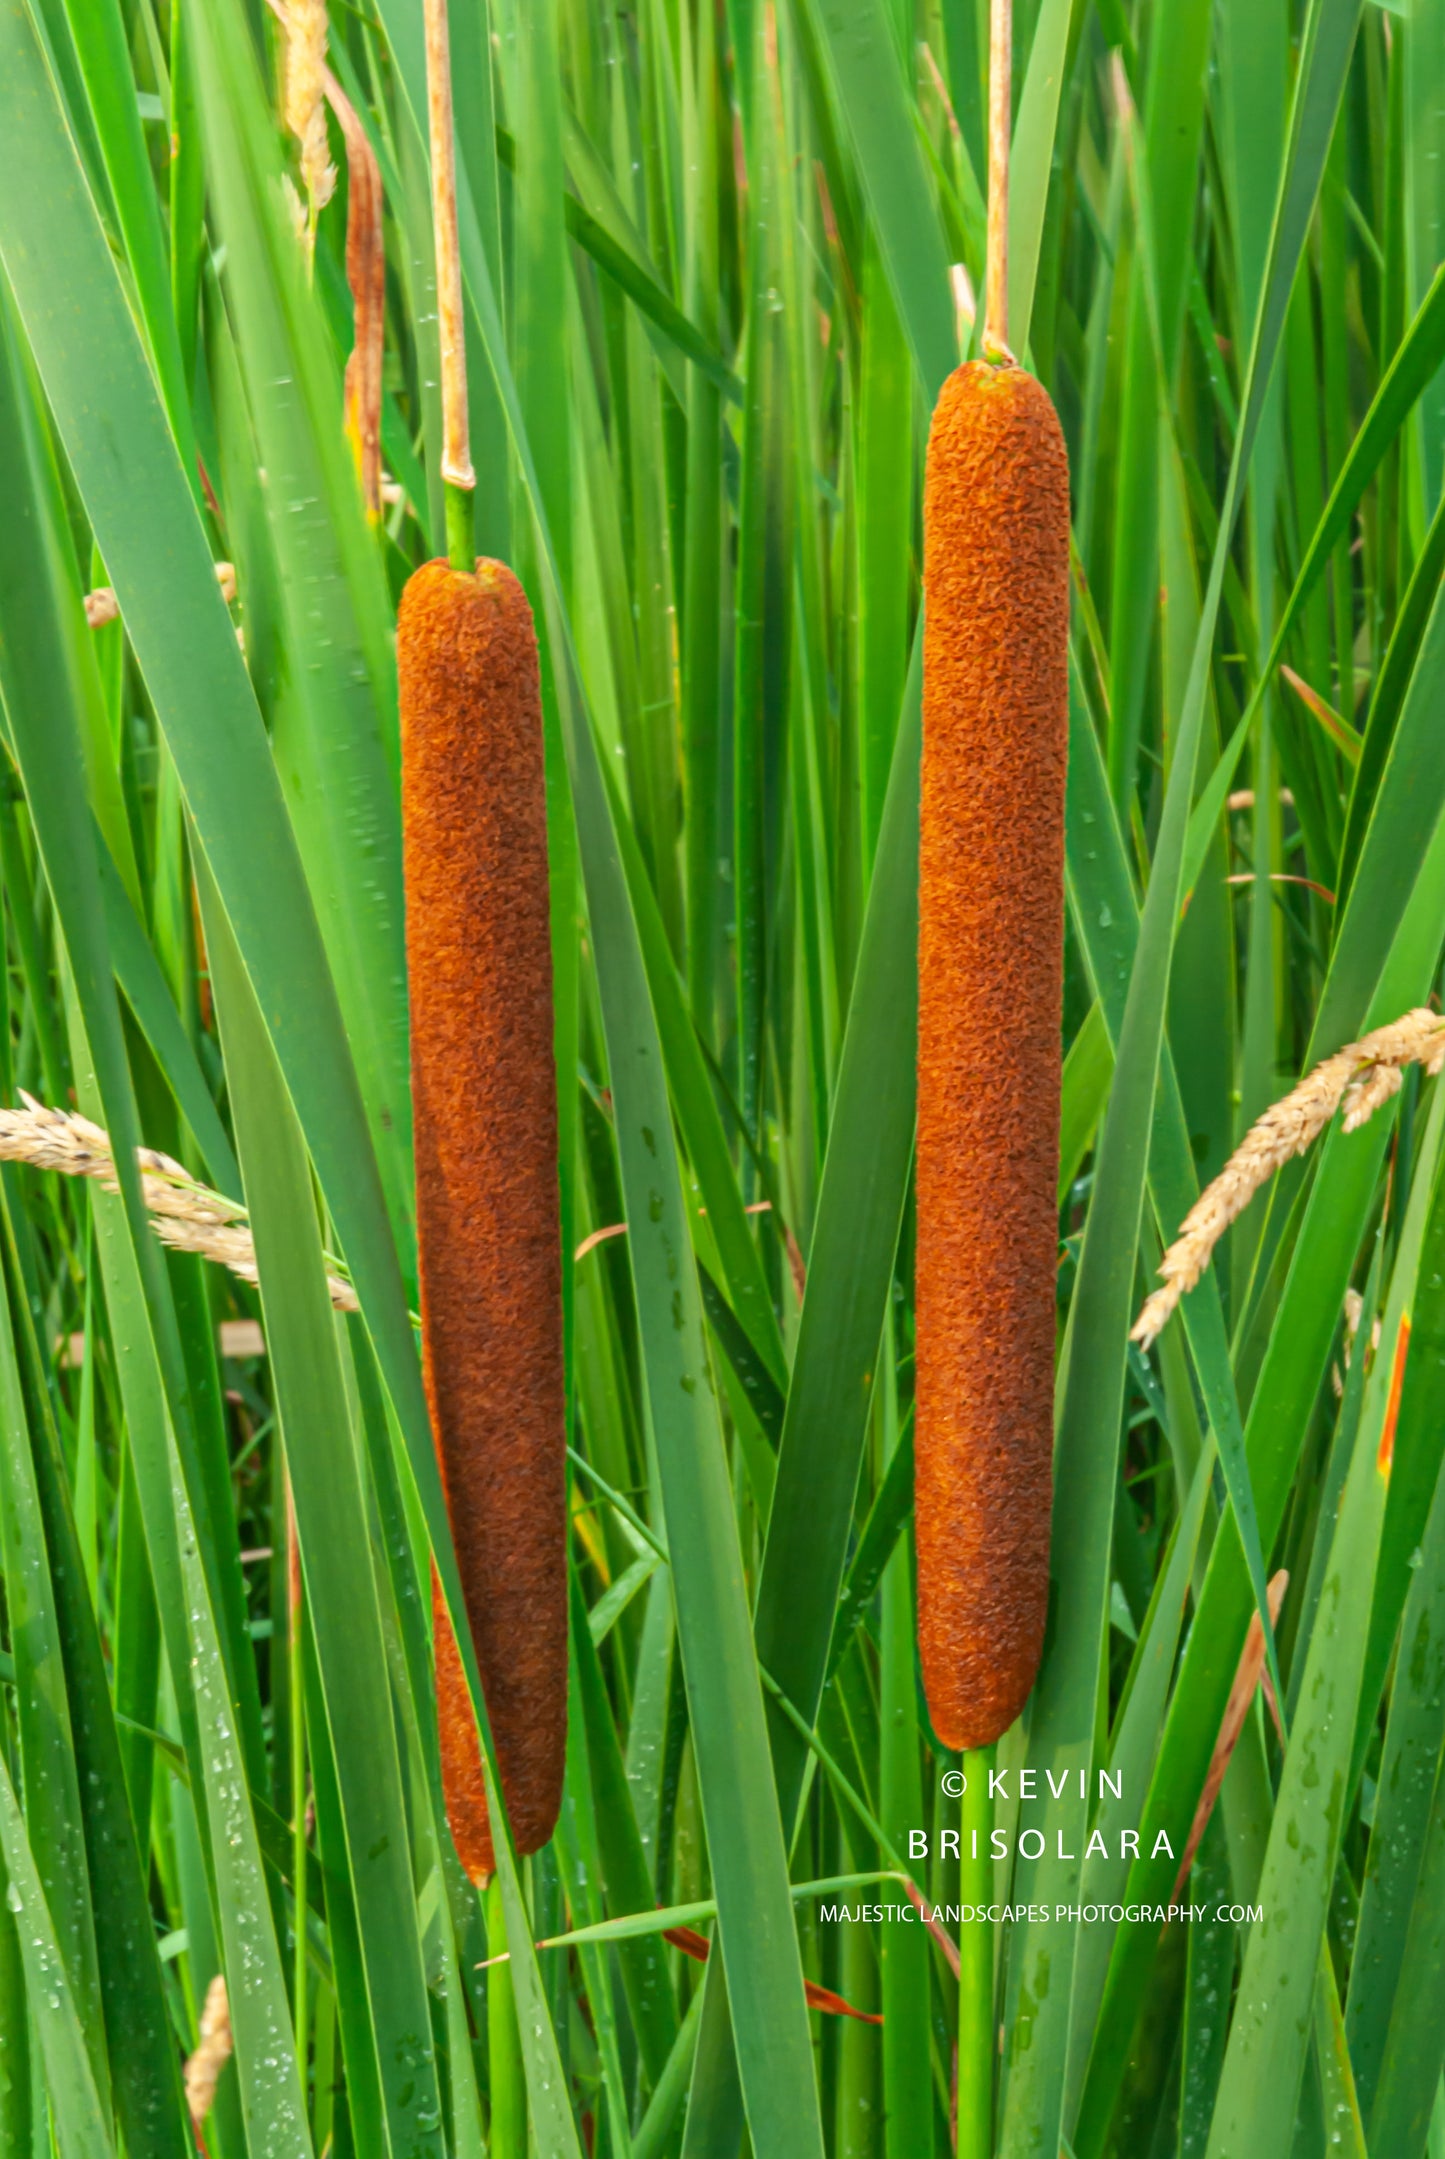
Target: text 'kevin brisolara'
x=1035 y=1915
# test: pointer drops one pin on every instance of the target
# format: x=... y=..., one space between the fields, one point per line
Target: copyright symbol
x=954 y=1783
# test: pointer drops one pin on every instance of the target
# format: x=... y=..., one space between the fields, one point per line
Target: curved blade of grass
x=695 y=1105
x=884 y=525
x=101 y=49
x=332 y=1526
x=855 y=1240
x=16 y=2131
x=183 y=1518
x=142 y=2061
x=1135 y=1737
x=1413 y=1483
x=581 y=1868
x=1406 y=1793
x=80 y=2120
x=599 y=222
x=1088 y=1069
x=1391 y=688
x=55 y=1826
x=762 y=1398
x=654 y=2133
x=1406 y=809
x=138 y=972
x=887 y=1517
x=1031 y=160
x=82 y=674
x=1269 y=2035
x=1414 y=2052
x=624 y=1881
x=763 y=609
x=365 y=2108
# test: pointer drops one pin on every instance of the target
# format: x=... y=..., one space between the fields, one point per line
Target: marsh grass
x=715 y=263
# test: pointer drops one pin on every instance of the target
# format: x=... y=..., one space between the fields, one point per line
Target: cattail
x=990 y=958
x=484 y=1097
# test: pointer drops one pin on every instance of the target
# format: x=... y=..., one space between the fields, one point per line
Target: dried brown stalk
x=305 y=110
x=366 y=275
x=203 y=2070
x=1354 y=1307
x=1247 y=1677
x=1361 y=1077
x=456 y=460
x=1000 y=83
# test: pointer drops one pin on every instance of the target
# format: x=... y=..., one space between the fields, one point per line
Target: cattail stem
x=1000 y=82
x=976 y=2045
x=508 y=2137
x=461 y=526
x=456 y=446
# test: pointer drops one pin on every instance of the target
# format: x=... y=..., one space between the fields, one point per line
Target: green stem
x=977 y=2046
x=461 y=541
x=508 y=2138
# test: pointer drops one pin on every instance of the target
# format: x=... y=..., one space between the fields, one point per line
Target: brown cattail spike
x=479 y=957
x=990 y=959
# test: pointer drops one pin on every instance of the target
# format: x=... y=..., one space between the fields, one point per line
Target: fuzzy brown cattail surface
x=990 y=961
x=484 y=1097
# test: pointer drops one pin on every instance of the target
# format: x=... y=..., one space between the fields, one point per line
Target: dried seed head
x=305 y=108
x=1362 y=1076
x=213 y=2051
x=186 y=1215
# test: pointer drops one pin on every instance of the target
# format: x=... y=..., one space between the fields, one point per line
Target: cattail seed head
x=479 y=957
x=990 y=958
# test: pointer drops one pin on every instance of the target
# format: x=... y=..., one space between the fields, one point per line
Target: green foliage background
x=717 y=261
